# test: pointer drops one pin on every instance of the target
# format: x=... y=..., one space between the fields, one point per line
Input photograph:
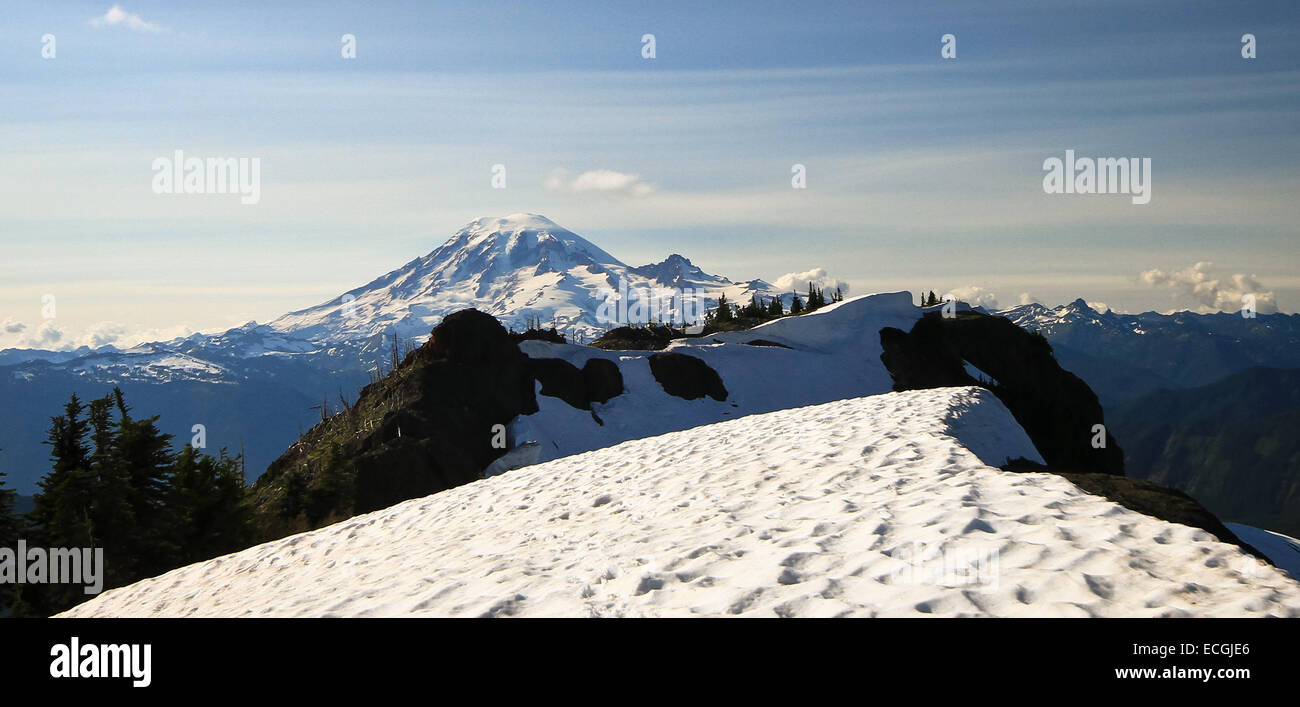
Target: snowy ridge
x=846 y=508
x=834 y=353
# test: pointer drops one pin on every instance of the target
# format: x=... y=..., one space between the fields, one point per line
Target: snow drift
x=874 y=506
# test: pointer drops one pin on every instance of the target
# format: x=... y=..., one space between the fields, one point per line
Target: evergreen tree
x=816 y=298
x=796 y=306
x=209 y=505
x=10 y=532
x=112 y=513
x=62 y=515
x=838 y=296
x=774 y=308
x=723 y=313
x=144 y=457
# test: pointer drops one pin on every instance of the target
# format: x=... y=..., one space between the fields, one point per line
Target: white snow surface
x=834 y=354
x=1282 y=550
x=849 y=508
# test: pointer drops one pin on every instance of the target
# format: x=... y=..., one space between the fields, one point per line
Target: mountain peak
x=521 y=238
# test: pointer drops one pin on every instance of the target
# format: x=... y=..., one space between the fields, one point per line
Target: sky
x=920 y=172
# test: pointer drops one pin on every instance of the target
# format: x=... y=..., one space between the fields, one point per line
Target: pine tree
x=816 y=298
x=796 y=306
x=145 y=459
x=62 y=515
x=111 y=511
x=209 y=505
x=724 y=309
x=774 y=308
x=10 y=532
x=838 y=296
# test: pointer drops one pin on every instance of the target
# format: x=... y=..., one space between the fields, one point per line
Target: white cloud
x=798 y=281
x=605 y=181
x=1197 y=288
x=117 y=17
x=46 y=336
x=49 y=336
x=1026 y=298
x=1100 y=307
x=975 y=296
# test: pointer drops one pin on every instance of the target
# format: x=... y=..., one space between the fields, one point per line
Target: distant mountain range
x=254 y=387
x=1123 y=356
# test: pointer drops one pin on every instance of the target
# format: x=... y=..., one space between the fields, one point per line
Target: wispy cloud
x=118 y=17
x=604 y=181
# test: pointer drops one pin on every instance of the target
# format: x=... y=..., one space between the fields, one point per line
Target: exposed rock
x=603 y=380
x=1056 y=408
x=561 y=379
x=764 y=342
x=638 y=338
x=550 y=335
x=424 y=428
x=686 y=376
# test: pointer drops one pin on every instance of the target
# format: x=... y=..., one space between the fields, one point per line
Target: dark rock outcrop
x=603 y=380
x=653 y=337
x=764 y=342
x=561 y=379
x=549 y=335
x=423 y=428
x=1056 y=408
x=596 y=382
x=686 y=376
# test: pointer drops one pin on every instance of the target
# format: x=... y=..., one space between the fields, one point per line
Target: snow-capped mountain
x=877 y=506
x=1122 y=356
x=518 y=268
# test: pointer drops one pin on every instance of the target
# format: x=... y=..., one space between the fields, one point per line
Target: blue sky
x=923 y=172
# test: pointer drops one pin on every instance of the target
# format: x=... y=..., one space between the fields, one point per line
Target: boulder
x=686 y=376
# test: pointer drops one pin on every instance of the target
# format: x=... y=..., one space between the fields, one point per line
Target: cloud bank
x=1198 y=289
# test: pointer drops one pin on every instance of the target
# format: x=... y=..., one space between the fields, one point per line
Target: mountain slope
x=876 y=506
x=515 y=268
x=1232 y=445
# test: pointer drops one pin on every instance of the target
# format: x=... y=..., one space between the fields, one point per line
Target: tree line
x=760 y=309
x=116 y=483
